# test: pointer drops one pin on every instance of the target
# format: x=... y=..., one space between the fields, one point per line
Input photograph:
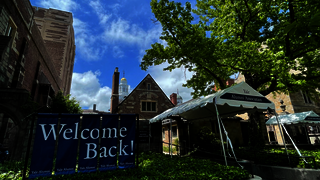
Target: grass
x=151 y=166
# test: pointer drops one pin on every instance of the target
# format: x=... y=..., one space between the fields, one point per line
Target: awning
x=234 y=100
x=303 y=117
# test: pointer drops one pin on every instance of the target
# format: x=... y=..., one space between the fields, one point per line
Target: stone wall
x=133 y=103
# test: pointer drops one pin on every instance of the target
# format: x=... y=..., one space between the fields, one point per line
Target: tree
x=274 y=44
x=63 y=104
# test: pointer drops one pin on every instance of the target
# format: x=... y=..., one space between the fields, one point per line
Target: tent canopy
x=303 y=117
x=234 y=100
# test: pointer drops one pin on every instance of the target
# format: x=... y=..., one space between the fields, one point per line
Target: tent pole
x=307 y=133
x=171 y=136
x=281 y=133
x=222 y=144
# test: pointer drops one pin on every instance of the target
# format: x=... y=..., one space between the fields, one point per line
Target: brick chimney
x=173 y=98
x=115 y=91
x=230 y=82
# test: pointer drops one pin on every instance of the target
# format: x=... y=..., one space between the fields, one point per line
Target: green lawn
x=151 y=166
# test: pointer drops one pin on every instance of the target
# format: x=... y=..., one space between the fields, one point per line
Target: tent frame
x=227 y=97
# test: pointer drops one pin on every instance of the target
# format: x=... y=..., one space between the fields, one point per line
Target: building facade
x=294 y=103
x=148 y=100
x=58 y=35
x=29 y=72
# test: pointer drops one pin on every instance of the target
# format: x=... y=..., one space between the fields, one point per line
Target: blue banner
x=67 y=144
x=109 y=139
x=89 y=143
x=43 y=148
x=127 y=141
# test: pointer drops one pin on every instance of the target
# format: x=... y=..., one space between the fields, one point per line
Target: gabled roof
x=135 y=89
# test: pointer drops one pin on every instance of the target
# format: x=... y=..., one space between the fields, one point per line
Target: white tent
x=234 y=100
x=308 y=117
x=230 y=101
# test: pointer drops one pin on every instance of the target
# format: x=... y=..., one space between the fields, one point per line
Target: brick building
x=58 y=36
x=294 y=102
x=147 y=100
x=34 y=65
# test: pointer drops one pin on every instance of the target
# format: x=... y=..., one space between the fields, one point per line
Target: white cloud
x=100 y=11
x=88 y=91
x=122 y=31
x=85 y=41
x=65 y=5
x=169 y=82
x=115 y=7
x=117 y=52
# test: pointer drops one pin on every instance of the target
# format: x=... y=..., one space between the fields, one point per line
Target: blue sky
x=109 y=34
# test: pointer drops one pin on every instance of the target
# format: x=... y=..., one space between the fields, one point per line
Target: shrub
x=207 y=140
x=153 y=166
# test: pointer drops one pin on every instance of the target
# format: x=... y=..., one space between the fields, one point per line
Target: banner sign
x=311 y=118
x=109 y=137
x=67 y=144
x=89 y=143
x=108 y=144
x=248 y=98
x=44 y=144
x=127 y=138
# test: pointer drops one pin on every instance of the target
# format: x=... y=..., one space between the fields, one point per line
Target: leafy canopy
x=273 y=44
x=63 y=104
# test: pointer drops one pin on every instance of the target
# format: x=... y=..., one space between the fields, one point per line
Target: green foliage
x=263 y=40
x=63 y=104
x=11 y=170
x=159 y=166
x=167 y=149
x=207 y=140
x=278 y=157
x=176 y=142
x=175 y=149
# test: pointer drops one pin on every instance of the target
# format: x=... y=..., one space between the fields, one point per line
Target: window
x=163 y=133
x=149 y=106
x=174 y=132
x=11 y=29
x=148 y=86
x=306 y=97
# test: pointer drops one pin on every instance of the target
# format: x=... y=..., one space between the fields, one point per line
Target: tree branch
x=242 y=36
x=302 y=53
x=221 y=83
